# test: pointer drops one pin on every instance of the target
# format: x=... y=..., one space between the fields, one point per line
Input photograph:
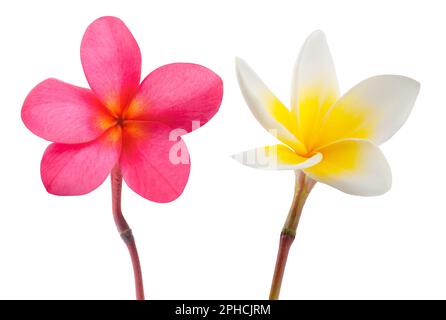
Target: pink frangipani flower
x=120 y=121
x=121 y=126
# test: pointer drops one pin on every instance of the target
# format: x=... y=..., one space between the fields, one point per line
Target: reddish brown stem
x=303 y=187
x=286 y=240
x=125 y=231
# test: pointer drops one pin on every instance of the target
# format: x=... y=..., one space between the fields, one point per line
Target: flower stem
x=304 y=184
x=125 y=231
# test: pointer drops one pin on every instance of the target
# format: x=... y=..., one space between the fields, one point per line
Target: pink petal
x=154 y=162
x=181 y=95
x=75 y=169
x=112 y=62
x=64 y=113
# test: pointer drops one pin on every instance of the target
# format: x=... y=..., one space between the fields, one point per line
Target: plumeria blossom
x=334 y=139
x=120 y=121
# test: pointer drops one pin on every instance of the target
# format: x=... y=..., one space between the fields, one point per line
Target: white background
x=219 y=239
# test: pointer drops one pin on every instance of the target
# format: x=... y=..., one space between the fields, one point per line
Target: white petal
x=314 y=86
x=374 y=110
x=276 y=157
x=353 y=166
x=266 y=107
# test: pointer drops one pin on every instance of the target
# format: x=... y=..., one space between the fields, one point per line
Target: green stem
x=303 y=186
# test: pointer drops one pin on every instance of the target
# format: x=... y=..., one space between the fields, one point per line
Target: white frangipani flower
x=333 y=139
